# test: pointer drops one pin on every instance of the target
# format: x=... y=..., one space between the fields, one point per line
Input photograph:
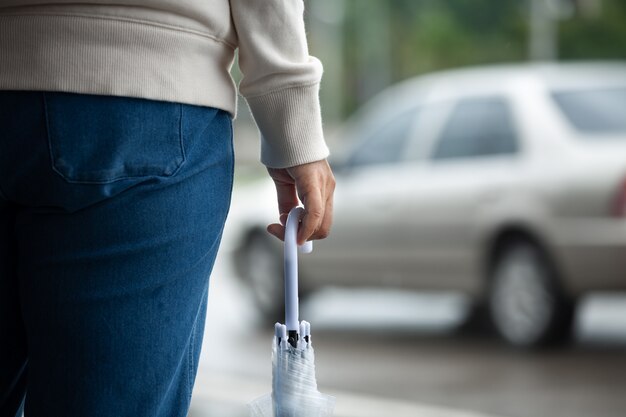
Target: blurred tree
x=385 y=41
x=423 y=36
x=597 y=31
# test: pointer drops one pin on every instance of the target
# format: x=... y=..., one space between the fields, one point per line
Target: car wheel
x=262 y=270
x=526 y=304
x=476 y=321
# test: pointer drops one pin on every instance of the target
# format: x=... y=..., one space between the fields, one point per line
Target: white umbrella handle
x=291 y=268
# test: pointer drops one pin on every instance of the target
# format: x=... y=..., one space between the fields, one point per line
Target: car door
x=471 y=165
x=368 y=200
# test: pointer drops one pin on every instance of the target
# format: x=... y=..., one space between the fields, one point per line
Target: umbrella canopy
x=294 y=388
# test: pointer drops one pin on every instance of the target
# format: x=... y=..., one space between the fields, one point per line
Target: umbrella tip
x=280 y=330
x=293 y=338
x=305 y=330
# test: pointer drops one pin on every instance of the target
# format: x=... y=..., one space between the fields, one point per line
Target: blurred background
x=477 y=266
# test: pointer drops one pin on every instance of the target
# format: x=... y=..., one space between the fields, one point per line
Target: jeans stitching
x=47 y=120
x=181 y=142
x=231 y=161
x=183 y=158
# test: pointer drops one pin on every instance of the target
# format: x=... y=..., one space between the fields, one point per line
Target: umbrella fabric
x=294 y=388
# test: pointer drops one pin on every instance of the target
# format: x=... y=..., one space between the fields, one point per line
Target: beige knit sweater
x=174 y=50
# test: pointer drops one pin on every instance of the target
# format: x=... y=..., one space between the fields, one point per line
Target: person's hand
x=314 y=184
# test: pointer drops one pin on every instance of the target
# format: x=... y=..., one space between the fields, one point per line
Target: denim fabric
x=111 y=213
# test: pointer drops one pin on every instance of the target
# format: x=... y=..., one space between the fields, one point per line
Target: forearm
x=280 y=80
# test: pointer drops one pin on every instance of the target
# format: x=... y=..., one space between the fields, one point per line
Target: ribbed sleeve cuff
x=291 y=126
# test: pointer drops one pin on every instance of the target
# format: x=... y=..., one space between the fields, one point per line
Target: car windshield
x=594 y=111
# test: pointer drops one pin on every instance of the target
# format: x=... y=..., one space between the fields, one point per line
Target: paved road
x=419 y=366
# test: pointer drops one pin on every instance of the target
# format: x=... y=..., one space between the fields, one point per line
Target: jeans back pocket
x=102 y=139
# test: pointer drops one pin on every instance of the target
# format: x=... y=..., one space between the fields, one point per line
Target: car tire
x=477 y=321
x=527 y=307
x=260 y=266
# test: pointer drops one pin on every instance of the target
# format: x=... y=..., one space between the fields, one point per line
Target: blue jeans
x=111 y=213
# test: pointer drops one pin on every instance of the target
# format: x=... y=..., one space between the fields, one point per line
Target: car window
x=594 y=111
x=385 y=144
x=477 y=127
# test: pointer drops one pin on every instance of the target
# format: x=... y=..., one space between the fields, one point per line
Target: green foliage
x=427 y=35
x=595 y=37
x=450 y=33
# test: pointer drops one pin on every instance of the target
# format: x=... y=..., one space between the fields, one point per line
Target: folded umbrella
x=294 y=388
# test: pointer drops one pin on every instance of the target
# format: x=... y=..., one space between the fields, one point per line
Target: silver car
x=506 y=183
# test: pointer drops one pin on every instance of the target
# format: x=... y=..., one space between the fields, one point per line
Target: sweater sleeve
x=280 y=80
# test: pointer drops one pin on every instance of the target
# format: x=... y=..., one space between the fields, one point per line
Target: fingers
x=327 y=221
x=285 y=191
x=287 y=199
x=320 y=220
x=314 y=184
x=277 y=230
x=313 y=218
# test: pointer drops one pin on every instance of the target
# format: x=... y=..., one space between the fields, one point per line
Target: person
x=116 y=168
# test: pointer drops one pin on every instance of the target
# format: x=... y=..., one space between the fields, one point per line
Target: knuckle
x=316 y=212
x=323 y=234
